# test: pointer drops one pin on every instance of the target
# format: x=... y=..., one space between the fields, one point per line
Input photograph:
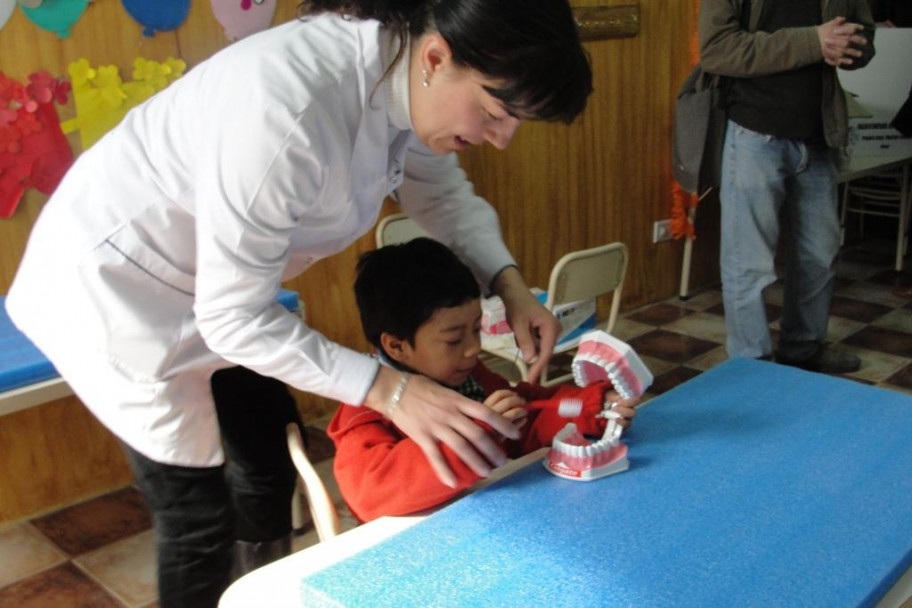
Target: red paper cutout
x=33 y=150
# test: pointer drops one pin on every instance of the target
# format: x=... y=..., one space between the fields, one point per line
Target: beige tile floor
x=100 y=553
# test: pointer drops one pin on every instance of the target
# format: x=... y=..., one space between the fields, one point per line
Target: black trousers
x=199 y=512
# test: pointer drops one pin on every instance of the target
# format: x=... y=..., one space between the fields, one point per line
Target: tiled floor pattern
x=100 y=553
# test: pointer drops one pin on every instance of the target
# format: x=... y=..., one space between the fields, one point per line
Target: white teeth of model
x=622 y=389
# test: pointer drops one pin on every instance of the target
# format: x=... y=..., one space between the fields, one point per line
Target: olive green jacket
x=729 y=50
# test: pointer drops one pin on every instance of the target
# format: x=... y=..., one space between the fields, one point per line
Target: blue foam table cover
x=22 y=364
x=753 y=484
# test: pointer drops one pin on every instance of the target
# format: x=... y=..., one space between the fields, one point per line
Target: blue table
x=28 y=378
x=21 y=363
x=753 y=484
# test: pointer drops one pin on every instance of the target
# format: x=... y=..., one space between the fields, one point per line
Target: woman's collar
x=396 y=84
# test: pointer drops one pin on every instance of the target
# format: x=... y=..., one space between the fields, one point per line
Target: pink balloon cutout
x=240 y=18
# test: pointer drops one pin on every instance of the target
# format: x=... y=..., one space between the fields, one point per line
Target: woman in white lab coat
x=169 y=238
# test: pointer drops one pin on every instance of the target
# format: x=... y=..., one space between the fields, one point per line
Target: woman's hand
x=430 y=413
x=624 y=407
x=533 y=325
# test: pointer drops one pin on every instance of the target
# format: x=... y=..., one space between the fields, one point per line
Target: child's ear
x=396 y=348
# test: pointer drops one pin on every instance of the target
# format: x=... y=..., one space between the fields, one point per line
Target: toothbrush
x=567 y=407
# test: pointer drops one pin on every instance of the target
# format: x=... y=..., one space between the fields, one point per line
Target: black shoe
x=827 y=360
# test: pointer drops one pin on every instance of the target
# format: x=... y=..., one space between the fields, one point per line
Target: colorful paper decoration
x=157 y=15
x=56 y=15
x=683 y=203
x=240 y=18
x=33 y=151
x=6 y=10
x=103 y=98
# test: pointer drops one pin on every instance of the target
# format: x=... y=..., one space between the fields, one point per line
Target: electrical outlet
x=661 y=231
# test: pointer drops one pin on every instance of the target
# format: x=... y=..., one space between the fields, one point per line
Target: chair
x=324 y=513
x=885 y=195
x=398 y=228
x=579 y=275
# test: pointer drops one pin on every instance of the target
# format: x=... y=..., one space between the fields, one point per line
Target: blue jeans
x=199 y=512
x=765 y=178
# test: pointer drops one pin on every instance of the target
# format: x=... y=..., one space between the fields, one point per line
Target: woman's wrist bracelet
x=394 y=399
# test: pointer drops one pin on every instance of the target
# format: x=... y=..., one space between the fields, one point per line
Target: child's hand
x=509 y=405
x=624 y=407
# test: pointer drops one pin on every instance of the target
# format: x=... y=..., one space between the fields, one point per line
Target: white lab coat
x=158 y=259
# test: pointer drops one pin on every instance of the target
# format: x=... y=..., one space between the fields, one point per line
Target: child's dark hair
x=531 y=46
x=398 y=287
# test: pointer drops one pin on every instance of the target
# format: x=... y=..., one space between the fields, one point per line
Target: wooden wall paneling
x=604 y=178
x=202 y=35
x=55 y=454
x=14 y=233
x=107 y=35
x=557 y=188
x=705 y=270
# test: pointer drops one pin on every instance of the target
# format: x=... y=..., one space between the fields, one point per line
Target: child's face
x=447 y=345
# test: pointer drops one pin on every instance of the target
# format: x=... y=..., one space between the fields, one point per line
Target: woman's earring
x=426 y=82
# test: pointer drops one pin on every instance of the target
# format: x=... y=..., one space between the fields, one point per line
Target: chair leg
x=297 y=511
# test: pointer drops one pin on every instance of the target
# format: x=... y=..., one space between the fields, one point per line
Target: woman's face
x=454 y=111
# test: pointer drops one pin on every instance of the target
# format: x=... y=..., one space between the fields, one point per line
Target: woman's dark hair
x=531 y=46
x=399 y=287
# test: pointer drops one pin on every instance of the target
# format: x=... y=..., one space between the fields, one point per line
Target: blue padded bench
x=27 y=378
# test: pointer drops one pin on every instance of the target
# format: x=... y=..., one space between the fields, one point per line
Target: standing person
x=787 y=121
x=171 y=235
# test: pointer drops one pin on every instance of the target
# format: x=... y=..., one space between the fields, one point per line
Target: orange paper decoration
x=683 y=203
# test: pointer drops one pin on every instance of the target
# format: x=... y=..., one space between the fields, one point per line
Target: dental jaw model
x=599 y=357
x=603 y=357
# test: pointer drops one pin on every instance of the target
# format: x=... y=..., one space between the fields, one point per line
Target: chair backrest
x=322 y=509
x=585 y=274
x=589 y=273
x=398 y=228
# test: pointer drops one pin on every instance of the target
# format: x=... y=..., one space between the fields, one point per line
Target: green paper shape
x=56 y=16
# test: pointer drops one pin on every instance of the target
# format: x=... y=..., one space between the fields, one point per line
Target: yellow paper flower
x=103 y=98
x=108 y=76
x=80 y=73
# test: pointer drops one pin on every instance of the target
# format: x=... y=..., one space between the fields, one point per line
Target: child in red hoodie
x=420 y=307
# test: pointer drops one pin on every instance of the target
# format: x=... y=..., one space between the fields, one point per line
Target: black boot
x=826 y=360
